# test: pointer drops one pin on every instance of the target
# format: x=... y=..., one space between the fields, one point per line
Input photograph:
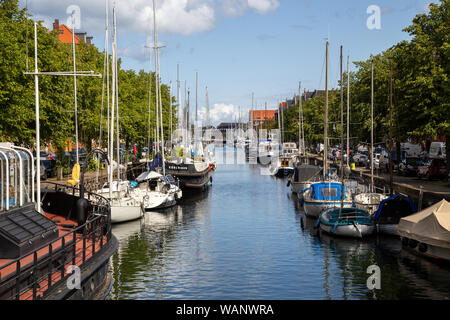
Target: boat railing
x=35 y=274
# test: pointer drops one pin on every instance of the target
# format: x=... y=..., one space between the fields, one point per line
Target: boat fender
x=412 y=243
x=333 y=228
x=288 y=184
x=210 y=179
x=81 y=209
x=405 y=241
x=317 y=224
x=423 y=247
x=302 y=202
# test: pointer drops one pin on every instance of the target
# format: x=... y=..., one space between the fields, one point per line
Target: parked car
x=49 y=168
x=360 y=159
x=376 y=161
x=422 y=169
x=409 y=167
x=437 y=169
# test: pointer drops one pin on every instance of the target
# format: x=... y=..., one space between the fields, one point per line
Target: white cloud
x=263 y=6
x=221 y=112
x=133 y=16
x=237 y=8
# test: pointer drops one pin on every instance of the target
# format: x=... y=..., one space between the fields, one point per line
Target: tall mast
x=371 y=128
x=196 y=98
x=348 y=109
x=155 y=42
x=107 y=64
x=282 y=122
x=38 y=136
x=179 y=109
x=158 y=83
x=149 y=109
x=75 y=87
x=390 y=135
x=342 y=138
x=207 y=109
x=113 y=103
x=117 y=98
x=300 y=118
x=170 y=107
x=342 y=120
x=251 y=113
x=325 y=130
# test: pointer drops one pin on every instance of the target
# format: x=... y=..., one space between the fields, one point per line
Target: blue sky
x=243 y=46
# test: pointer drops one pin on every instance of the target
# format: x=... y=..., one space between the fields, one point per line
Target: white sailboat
x=123 y=207
x=329 y=193
x=369 y=201
x=155 y=190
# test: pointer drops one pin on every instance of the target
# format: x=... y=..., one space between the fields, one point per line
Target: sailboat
x=304 y=174
x=190 y=164
x=156 y=190
x=350 y=222
x=328 y=193
x=370 y=201
x=123 y=206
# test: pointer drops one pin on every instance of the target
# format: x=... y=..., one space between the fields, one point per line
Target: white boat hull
x=125 y=211
x=353 y=231
x=157 y=200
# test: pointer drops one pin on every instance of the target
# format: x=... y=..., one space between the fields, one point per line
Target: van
x=437 y=150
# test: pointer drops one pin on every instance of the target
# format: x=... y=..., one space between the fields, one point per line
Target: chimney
x=56 y=24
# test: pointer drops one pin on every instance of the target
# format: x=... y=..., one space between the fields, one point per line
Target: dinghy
x=348 y=222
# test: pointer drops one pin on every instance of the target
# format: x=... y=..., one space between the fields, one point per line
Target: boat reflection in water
x=403 y=275
x=248 y=238
x=141 y=260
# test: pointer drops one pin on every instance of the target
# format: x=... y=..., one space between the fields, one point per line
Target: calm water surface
x=247 y=238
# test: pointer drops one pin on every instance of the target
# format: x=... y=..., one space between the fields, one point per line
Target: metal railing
x=78 y=247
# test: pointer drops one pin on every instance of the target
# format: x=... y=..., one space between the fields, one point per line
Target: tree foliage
x=17 y=90
x=421 y=87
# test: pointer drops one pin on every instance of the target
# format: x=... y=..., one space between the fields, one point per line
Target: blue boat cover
x=395 y=206
x=327 y=191
x=157 y=162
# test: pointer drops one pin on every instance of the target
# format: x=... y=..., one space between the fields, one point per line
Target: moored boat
x=156 y=191
x=348 y=222
x=369 y=201
x=41 y=247
x=323 y=195
x=427 y=232
x=302 y=178
x=389 y=213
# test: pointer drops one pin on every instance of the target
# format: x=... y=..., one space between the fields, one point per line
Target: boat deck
x=78 y=247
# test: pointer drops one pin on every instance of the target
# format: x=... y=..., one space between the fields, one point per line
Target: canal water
x=247 y=238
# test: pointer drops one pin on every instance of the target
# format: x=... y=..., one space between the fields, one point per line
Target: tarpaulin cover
x=305 y=172
x=327 y=191
x=392 y=209
x=157 y=162
x=430 y=226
